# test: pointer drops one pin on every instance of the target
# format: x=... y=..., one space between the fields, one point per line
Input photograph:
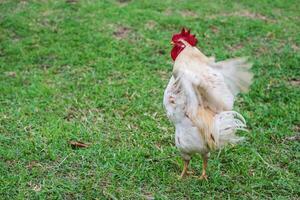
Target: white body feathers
x=199 y=100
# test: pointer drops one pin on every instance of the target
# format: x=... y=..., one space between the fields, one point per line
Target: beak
x=172 y=43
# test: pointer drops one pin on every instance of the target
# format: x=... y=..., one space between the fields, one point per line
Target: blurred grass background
x=95 y=72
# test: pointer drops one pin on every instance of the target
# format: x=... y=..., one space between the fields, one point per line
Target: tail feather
x=219 y=129
x=225 y=126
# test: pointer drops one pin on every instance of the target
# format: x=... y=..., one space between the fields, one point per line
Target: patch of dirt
x=248 y=14
x=23 y=3
x=188 y=13
x=243 y=13
x=132 y=127
x=15 y=37
x=11 y=162
x=295 y=47
x=163 y=74
x=33 y=164
x=71 y=1
x=1 y=53
x=149 y=196
x=295 y=82
x=297 y=128
x=158 y=146
x=37 y=187
x=161 y=52
x=123 y=3
x=122 y=32
x=214 y=29
x=294 y=138
x=28 y=128
x=11 y=74
x=251 y=172
x=70 y=115
x=116 y=78
x=45 y=62
x=261 y=51
x=270 y=36
x=93 y=115
x=236 y=47
x=150 y=24
x=168 y=12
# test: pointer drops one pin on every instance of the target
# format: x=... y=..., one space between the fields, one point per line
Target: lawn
x=95 y=72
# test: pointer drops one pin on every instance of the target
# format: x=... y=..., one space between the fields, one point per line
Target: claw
x=203 y=177
x=189 y=173
x=185 y=175
x=185 y=169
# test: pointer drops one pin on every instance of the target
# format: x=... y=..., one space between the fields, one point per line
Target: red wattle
x=176 y=51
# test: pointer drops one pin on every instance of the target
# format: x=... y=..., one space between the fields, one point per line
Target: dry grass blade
x=75 y=144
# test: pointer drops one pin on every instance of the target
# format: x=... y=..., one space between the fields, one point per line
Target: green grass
x=95 y=71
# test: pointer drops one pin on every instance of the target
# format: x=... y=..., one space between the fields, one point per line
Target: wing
x=236 y=73
x=167 y=96
x=174 y=101
x=207 y=88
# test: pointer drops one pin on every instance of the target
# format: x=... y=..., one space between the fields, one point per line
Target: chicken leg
x=204 y=166
x=185 y=168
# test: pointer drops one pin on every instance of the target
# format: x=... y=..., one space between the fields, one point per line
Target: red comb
x=186 y=35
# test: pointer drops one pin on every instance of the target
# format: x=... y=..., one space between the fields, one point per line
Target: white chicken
x=199 y=99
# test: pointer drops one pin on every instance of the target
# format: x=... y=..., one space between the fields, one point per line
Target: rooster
x=199 y=99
